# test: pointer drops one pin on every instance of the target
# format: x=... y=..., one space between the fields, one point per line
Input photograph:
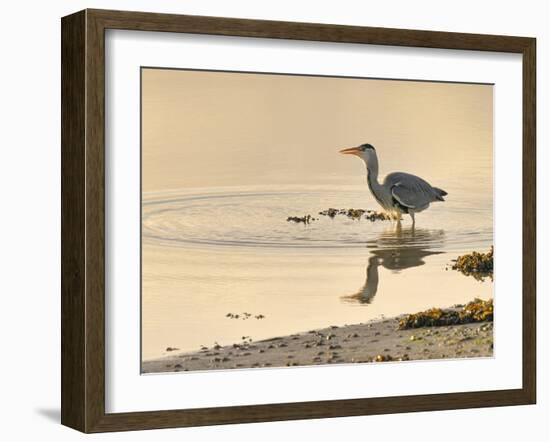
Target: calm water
x=210 y=252
x=227 y=157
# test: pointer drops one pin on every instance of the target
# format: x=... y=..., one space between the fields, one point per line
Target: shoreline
x=374 y=341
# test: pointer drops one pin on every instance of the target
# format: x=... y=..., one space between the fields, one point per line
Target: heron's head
x=364 y=151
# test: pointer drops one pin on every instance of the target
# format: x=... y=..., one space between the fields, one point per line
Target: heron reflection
x=399 y=251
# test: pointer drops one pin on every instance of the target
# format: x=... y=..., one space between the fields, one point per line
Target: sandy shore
x=375 y=341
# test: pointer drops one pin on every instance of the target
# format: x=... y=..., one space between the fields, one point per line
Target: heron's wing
x=411 y=191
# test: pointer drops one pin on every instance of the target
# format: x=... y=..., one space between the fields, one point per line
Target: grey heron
x=400 y=192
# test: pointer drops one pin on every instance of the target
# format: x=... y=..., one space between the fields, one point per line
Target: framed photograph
x=270 y=220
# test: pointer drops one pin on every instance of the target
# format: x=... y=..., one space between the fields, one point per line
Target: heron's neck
x=372 y=172
x=375 y=187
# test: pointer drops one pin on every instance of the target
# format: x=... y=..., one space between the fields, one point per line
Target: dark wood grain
x=145 y=21
x=73 y=129
x=83 y=219
x=95 y=221
x=529 y=221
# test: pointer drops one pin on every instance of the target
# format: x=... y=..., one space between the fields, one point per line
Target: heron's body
x=400 y=192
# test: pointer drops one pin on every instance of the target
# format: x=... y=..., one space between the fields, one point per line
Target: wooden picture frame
x=83 y=220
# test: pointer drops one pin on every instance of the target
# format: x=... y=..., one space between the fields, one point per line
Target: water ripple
x=257 y=219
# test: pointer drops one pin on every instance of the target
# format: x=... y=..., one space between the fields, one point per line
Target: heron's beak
x=351 y=151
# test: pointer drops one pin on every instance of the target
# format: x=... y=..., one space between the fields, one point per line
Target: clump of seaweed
x=476 y=264
x=355 y=213
x=479 y=310
x=475 y=311
x=306 y=219
x=330 y=212
x=243 y=316
x=371 y=215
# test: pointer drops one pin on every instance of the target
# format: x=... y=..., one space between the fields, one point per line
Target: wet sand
x=375 y=341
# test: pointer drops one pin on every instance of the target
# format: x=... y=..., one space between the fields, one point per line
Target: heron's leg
x=412 y=216
x=398 y=219
x=398 y=227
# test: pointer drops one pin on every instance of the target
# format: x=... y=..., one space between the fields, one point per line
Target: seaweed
x=476 y=264
x=306 y=219
x=477 y=310
x=244 y=316
x=356 y=214
x=370 y=215
x=329 y=212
